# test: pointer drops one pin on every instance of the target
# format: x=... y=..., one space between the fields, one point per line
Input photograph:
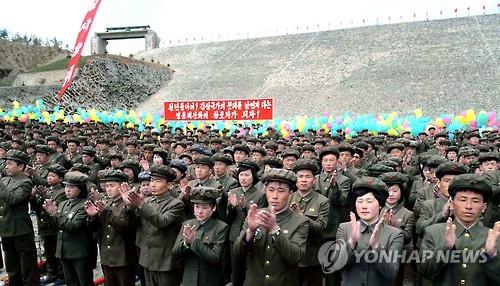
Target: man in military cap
x=315 y=208
x=160 y=218
x=429 y=191
x=72 y=153
x=115 y=160
x=4 y=148
x=463 y=235
x=16 y=229
x=131 y=151
x=489 y=167
x=258 y=153
x=201 y=241
x=221 y=171
x=119 y=147
x=467 y=155
x=88 y=159
x=273 y=240
x=103 y=153
x=74 y=241
x=289 y=157
x=115 y=227
x=39 y=176
x=271 y=147
x=47 y=225
x=346 y=164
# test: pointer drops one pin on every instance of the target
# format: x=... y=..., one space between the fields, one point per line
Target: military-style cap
x=5 y=145
x=489 y=156
x=204 y=160
x=451 y=168
x=445 y=142
x=376 y=170
x=80 y=168
x=249 y=164
x=393 y=178
x=306 y=164
x=443 y=134
x=44 y=149
x=273 y=162
x=149 y=147
x=259 y=150
x=163 y=171
x=319 y=141
x=468 y=151
x=473 y=182
x=362 y=145
x=473 y=134
x=224 y=158
x=133 y=165
x=75 y=178
x=329 y=150
x=89 y=151
x=308 y=147
x=57 y=169
x=18 y=156
x=144 y=176
x=204 y=195
x=290 y=152
x=280 y=175
x=346 y=147
x=114 y=176
x=179 y=165
x=186 y=155
x=241 y=147
x=216 y=140
x=389 y=163
x=395 y=146
x=198 y=149
x=271 y=145
x=452 y=149
x=103 y=141
x=434 y=161
x=373 y=184
x=162 y=153
x=116 y=156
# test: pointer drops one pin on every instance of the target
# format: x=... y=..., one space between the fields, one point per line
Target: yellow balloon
x=15 y=103
x=392 y=132
x=439 y=122
x=418 y=112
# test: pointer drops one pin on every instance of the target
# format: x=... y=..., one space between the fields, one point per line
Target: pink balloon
x=348 y=130
x=339 y=120
x=446 y=120
x=491 y=115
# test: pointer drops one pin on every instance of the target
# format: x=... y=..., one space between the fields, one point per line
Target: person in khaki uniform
x=489 y=166
x=47 y=225
x=39 y=176
x=240 y=200
x=429 y=191
x=314 y=207
x=395 y=214
x=368 y=233
x=201 y=241
x=115 y=226
x=160 y=218
x=221 y=172
x=16 y=229
x=88 y=159
x=74 y=240
x=273 y=240
x=466 y=234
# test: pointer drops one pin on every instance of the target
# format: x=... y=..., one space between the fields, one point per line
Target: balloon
x=23 y=118
x=418 y=112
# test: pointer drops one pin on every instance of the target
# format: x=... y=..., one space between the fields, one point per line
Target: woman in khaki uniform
x=395 y=214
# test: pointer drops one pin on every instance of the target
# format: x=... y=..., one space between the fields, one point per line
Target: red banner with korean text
x=237 y=109
x=80 y=42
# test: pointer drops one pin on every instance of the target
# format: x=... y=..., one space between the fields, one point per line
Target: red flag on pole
x=80 y=42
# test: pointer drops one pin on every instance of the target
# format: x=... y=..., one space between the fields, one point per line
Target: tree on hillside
x=55 y=43
x=4 y=34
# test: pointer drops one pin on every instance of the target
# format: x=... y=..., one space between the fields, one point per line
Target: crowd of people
x=207 y=207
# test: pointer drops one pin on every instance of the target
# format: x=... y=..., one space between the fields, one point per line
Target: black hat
x=163 y=154
x=306 y=164
x=114 y=176
x=75 y=178
x=329 y=150
x=260 y=150
x=179 y=165
x=149 y=147
x=164 y=172
x=204 y=195
x=308 y=147
x=271 y=145
x=116 y=156
x=133 y=165
x=57 y=169
x=80 y=168
x=204 y=160
x=44 y=149
x=18 y=156
x=5 y=145
x=452 y=149
x=376 y=169
x=249 y=164
x=395 y=146
x=473 y=182
x=273 y=162
x=280 y=175
x=375 y=185
x=187 y=155
x=241 y=147
x=393 y=178
x=434 y=161
x=451 y=168
x=221 y=157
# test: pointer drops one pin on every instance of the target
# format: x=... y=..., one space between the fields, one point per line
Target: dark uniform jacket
x=115 y=228
x=465 y=272
x=236 y=215
x=15 y=193
x=39 y=177
x=431 y=213
x=227 y=182
x=203 y=258
x=404 y=219
x=315 y=208
x=74 y=240
x=362 y=272
x=337 y=195
x=209 y=182
x=160 y=220
x=271 y=259
x=47 y=225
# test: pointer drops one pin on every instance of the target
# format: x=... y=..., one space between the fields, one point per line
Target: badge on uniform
x=311 y=209
x=71 y=214
x=285 y=231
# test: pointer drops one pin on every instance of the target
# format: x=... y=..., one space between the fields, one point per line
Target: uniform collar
x=280 y=216
x=394 y=209
x=162 y=197
x=472 y=231
x=363 y=226
x=307 y=197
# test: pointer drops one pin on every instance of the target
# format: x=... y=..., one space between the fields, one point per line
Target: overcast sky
x=176 y=21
